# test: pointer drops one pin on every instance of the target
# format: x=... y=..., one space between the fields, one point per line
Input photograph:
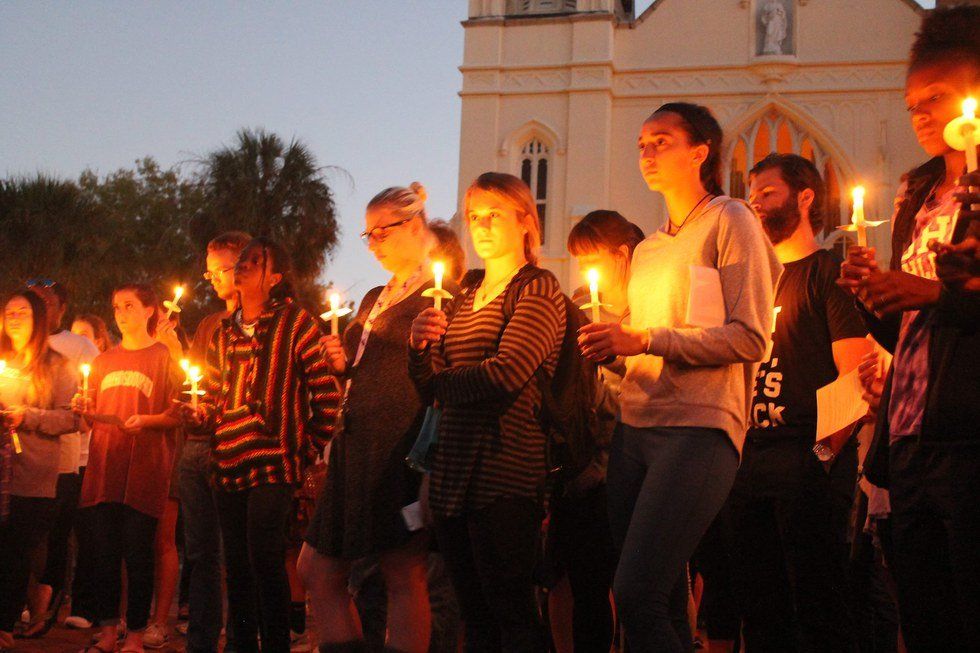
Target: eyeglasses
x=209 y=275
x=40 y=283
x=380 y=233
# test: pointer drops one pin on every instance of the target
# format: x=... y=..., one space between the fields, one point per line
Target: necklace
x=674 y=232
x=485 y=291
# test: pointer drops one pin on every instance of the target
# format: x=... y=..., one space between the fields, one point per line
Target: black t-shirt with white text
x=811 y=313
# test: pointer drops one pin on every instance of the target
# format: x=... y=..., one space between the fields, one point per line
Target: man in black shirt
x=789 y=511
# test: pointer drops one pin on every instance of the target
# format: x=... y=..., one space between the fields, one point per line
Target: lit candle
x=195 y=376
x=14 y=438
x=334 y=316
x=968 y=130
x=436 y=292
x=335 y=313
x=593 y=276
x=857 y=218
x=173 y=305
x=85 y=369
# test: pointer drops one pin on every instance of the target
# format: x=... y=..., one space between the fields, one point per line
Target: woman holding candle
x=359 y=513
x=130 y=458
x=686 y=388
x=271 y=402
x=36 y=387
x=579 y=539
x=927 y=444
x=482 y=368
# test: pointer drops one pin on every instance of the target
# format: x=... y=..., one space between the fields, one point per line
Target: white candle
x=195 y=375
x=173 y=306
x=438 y=270
x=857 y=218
x=85 y=369
x=593 y=276
x=334 y=314
x=968 y=131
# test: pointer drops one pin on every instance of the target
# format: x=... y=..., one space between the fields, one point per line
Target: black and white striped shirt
x=491 y=444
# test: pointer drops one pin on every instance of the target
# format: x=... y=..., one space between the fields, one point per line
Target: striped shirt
x=490 y=443
x=270 y=397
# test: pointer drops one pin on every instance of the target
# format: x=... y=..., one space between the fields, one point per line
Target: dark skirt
x=359 y=510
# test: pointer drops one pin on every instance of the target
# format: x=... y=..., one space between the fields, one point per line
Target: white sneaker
x=78 y=623
x=299 y=642
x=155 y=636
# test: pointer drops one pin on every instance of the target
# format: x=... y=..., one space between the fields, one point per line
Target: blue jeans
x=665 y=487
x=202 y=547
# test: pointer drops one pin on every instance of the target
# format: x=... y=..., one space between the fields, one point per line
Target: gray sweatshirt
x=693 y=376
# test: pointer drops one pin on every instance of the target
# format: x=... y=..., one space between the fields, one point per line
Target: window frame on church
x=534 y=167
x=538 y=7
x=776 y=131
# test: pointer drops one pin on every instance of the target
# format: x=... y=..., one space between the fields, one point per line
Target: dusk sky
x=370 y=86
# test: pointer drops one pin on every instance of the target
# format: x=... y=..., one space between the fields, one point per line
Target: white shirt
x=76 y=350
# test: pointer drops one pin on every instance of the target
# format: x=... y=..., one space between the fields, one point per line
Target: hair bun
x=419 y=190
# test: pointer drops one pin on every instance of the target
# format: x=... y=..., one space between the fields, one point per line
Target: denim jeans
x=665 y=487
x=202 y=547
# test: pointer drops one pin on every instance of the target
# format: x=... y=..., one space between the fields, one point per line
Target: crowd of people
x=508 y=468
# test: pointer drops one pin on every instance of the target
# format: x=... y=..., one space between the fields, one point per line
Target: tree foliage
x=149 y=224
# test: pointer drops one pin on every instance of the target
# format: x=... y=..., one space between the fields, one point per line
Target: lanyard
x=389 y=297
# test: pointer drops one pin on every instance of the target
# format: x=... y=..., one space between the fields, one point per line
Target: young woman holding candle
x=927 y=444
x=488 y=470
x=579 y=542
x=686 y=388
x=271 y=402
x=368 y=484
x=36 y=387
x=131 y=454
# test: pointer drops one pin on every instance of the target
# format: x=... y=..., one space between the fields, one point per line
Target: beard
x=780 y=223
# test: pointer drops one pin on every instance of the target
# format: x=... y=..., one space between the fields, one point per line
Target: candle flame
x=85 y=369
x=334 y=301
x=185 y=365
x=970 y=108
x=3 y=366
x=178 y=293
x=439 y=269
x=858 y=194
x=593 y=276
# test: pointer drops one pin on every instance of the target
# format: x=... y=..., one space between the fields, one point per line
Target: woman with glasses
x=370 y=494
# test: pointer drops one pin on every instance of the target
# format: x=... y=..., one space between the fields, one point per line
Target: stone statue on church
x=774 y=20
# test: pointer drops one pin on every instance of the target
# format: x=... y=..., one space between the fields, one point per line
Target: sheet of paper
x=106 y=419
x=705 y=303
x=839 y=405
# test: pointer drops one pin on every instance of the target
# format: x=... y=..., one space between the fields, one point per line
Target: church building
x=555 y=91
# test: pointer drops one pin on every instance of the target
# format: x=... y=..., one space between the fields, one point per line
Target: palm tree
x=269 y=188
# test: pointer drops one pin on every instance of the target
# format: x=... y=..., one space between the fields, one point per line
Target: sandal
x=38 y=628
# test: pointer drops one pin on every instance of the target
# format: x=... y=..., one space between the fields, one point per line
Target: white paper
x=705 y=303
x=839 y=405
x=412 y=514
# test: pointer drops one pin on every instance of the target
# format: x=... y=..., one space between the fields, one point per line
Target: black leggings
x=253 y=530
x=24 y=528
x=491 y=555
x=66 y=504
x=115 y=534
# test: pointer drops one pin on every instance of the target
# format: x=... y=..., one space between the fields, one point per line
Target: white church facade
x=555 y=91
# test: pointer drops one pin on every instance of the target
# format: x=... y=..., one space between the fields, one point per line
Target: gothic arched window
x=517 y=7
x=776 y=132
x=534 y=172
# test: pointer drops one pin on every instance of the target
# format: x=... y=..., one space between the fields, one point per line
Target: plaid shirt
x=270 y=398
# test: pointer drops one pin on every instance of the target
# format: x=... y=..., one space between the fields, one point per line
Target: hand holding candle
x=173 y=305
x=858 y=222
x=437 y=292
x=335 y=313
x=594 y=304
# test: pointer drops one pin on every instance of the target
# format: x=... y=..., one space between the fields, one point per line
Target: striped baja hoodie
x=270 y=398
